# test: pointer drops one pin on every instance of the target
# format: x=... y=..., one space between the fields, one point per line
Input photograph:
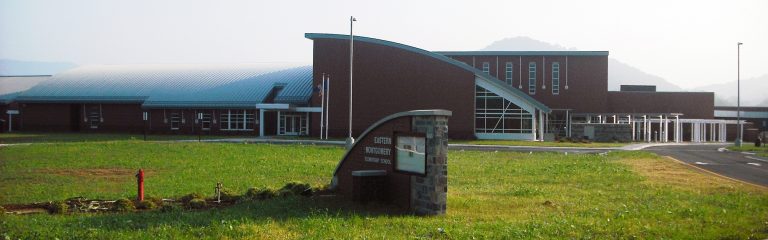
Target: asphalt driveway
x=737 y=165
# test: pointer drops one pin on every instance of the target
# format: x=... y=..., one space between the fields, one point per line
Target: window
x=205 y=123
x=237 y=120
x=532 y=78
x=175 y=121
x=93 y=116
x=494 y=114
x=486 y=67
x=555 y=78
x=509 y=72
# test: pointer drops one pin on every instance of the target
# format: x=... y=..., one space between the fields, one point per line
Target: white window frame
x=207 y=117
x=532 y=78
x=237 y=120
x=555 y=78
x=93 y=116
x=509 y=71
x=487 y=67
x=176 y=118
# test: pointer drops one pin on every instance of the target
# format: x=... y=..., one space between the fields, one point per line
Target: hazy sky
x=690 y=43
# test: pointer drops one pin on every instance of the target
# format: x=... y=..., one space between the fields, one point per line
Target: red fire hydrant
x=140 y=182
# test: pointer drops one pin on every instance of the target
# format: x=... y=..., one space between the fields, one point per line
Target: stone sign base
x=401 y=159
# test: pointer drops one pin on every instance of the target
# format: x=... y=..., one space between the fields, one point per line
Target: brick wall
x=388 y=80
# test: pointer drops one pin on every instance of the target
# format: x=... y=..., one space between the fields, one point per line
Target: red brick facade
x=587 y=78
x=389 y=80
x=129 y=118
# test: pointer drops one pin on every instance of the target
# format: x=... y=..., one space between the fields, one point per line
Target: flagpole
x=322 y=106
x=328 y=105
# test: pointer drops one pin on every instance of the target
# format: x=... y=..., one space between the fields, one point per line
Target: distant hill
x=9 y=67
x=754 y=92
x=618 y=73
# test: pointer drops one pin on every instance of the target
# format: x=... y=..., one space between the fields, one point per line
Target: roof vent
x=276 y=88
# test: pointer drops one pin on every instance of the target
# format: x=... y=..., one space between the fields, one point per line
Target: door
x=292 y=124
x=291 y=127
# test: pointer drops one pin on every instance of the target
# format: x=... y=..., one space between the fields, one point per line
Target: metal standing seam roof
x=185 y=85
x=296 y=84
x=483 y=76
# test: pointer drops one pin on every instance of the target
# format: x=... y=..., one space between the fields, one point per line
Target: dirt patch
x=93 y=172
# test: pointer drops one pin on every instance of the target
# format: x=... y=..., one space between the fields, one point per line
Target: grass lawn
x=539 y=144
x=491 y=195
x=749 y=147
x=29 y=137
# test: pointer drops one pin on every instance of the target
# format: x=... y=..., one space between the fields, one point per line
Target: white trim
x=273 y=106
x=308 y=109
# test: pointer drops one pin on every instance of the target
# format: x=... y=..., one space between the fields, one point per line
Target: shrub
x=123 y=205
x=285 y=193
x=259 y=194
x=58 y=207
x=298 y=188
x=197 y=203
x=189 y=197
x=156 y=200
x=146 y=205
x=228 y=195
x=170 y=208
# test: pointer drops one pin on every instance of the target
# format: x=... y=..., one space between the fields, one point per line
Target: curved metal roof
x=480 y=74
x=295 y=88
x=234 y=85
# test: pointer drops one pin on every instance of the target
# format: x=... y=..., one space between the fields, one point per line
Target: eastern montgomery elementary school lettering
x=525 y=95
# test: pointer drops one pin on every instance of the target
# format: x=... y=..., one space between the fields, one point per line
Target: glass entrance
x=292 y=124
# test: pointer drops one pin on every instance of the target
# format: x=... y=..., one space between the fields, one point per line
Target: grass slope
x=491 y=195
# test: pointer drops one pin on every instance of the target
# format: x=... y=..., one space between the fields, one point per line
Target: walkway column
x=693 y=132
x=633 y=127
x=534 y=130
x=261 y=122
x=568 y=117
x=541 y=126
x=666 y=130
